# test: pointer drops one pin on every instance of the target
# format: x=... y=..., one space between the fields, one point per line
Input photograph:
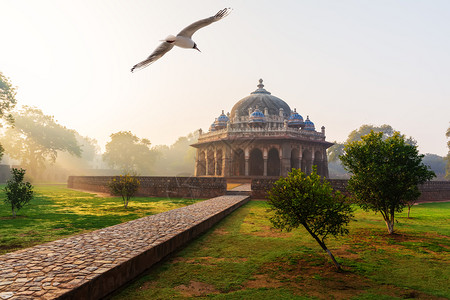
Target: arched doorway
x=256 y=163
x=306 y=162
x=210 y=158
x=295 y=162
x=238 y=162
x=219 y=162
x=318 y=162
x=201 y=164
x=273 y=163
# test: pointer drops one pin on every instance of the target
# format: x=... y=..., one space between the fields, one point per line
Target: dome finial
x=260 y=85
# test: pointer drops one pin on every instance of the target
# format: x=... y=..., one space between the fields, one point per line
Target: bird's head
x=195 y=47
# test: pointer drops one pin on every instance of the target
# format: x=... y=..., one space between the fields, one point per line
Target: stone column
x=265 y=158
x=246 y=166
x=216 y=163
x=312 y=161
x=265 y=166
x=300 y=156
x=247 y=158
x=196 y=163
x=325 y=164
x=206 y=163
x=224 y=162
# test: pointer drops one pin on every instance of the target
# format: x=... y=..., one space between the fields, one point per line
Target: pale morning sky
x=343 y=63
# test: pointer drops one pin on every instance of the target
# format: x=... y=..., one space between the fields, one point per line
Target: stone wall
x=430 y=191
x=172 y=187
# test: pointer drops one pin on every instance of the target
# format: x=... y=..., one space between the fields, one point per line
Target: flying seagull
x=183 y=39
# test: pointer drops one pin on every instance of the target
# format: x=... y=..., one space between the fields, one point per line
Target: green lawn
x=58 y=212
x=243 y=258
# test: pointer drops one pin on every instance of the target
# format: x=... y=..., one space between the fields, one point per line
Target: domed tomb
x=261 y=137
x=264 y=100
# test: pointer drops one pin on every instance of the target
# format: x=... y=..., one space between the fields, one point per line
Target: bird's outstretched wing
x=162 y=49
x=191 y=29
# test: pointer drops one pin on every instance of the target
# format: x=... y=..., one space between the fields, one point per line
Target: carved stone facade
x=251 y=142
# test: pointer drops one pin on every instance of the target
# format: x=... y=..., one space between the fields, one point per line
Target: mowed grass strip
x=244 y=258
x=57 y=212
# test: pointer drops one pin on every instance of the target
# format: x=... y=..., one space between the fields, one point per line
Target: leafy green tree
x=18 y=193
x=36 y=138
x=125 y=186
x=308 y=201
x=7 y=102
x=129 y=153
x=335 y=151
x=385 y=173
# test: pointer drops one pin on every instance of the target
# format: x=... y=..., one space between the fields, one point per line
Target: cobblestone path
x=90 y=265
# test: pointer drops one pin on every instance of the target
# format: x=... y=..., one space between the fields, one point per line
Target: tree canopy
x=18 y=193
x=384 y=173
x=301 y=200
x=7 y=97
x=128 y=153
x=335 y=151
x=7 y=102
x=36 y=138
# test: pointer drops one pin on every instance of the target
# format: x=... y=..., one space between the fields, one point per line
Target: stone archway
x=273 y=163
x=210 y=163
x=295 y=161
x=219 y=162
x=256 y=163
x=307 y=162
x=201 y=164
x=318 y=162
x=238 y=164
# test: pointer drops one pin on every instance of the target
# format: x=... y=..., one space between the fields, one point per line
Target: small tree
x=125 y=186
x=18 y=193
x=385 y=173
x=308 y=201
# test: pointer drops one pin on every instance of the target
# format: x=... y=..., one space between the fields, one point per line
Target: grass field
x=243 y=258
x=58 y=212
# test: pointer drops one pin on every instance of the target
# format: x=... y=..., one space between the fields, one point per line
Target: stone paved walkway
x=91 y=265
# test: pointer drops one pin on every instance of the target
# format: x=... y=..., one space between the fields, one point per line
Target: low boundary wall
x=172 y=187
x=430 y=191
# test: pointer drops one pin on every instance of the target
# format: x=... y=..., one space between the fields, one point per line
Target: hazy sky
x=343 y=63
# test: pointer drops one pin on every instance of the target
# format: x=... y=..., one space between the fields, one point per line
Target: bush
x=308 y=201
x=125 y=186
x=18 y=193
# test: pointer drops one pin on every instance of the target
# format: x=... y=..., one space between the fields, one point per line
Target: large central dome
x=261 y=99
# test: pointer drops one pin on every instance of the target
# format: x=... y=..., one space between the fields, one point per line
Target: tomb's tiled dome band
x=261 y=99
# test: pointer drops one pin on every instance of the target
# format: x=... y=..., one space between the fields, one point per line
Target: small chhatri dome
x=296 y=120
x=309 y=125
x=213 y=126
x=257 y=117
x=222 y=121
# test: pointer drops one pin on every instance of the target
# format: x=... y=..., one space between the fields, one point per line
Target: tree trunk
x=324 y=247
x=13 y=212
x=390 y=226
x=409 y=209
